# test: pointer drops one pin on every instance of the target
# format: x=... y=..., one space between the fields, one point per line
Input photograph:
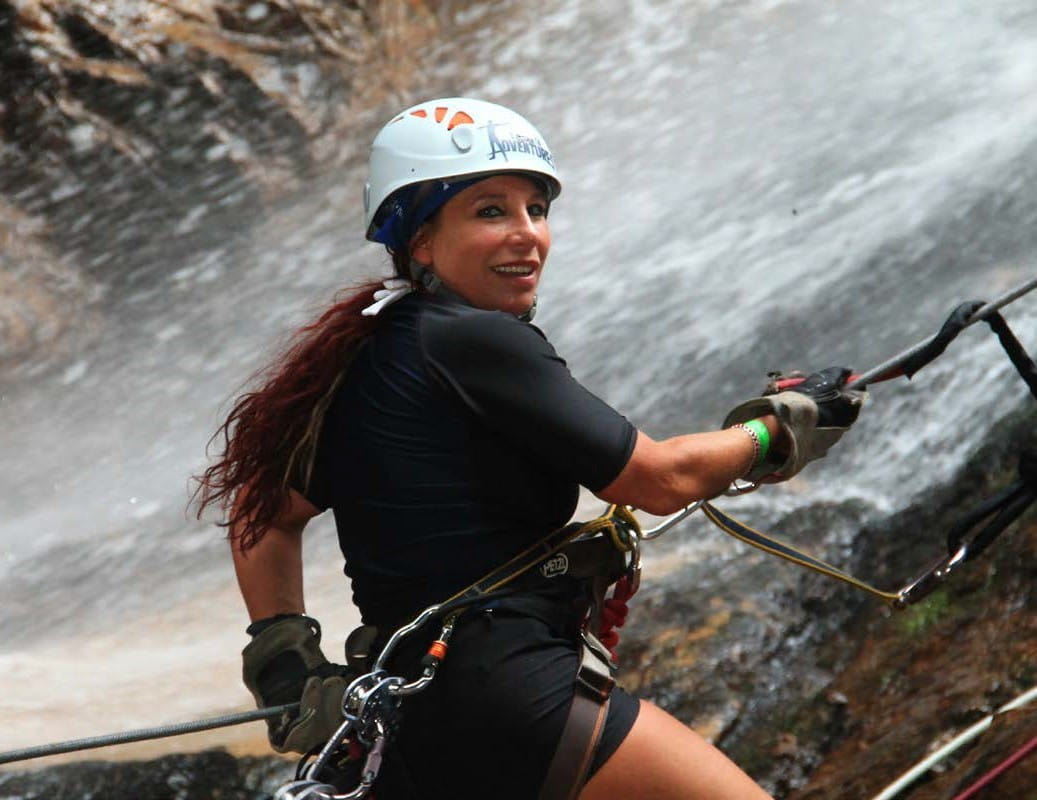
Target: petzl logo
x=554 y=566
x=517 y=144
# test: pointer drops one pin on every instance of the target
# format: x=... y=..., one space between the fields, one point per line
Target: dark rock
x=135 y=136
x=210 y=775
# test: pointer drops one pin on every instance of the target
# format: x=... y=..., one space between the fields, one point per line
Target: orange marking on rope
x=438 y=649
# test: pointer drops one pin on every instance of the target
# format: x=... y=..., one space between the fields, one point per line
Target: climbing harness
x=371 y=702
x=608 y=548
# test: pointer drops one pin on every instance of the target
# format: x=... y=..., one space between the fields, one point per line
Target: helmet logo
x=517 y=143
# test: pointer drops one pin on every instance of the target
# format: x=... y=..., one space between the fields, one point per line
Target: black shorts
x=489 y=724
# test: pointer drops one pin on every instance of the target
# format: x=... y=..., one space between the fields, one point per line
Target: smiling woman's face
x=489 y=242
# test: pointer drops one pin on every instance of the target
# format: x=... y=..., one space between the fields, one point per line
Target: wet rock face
x=136 y=134
x=46 y=305
x=211 y=775
x=173 y=122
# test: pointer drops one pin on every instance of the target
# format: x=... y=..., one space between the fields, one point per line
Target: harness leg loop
x=578 y=743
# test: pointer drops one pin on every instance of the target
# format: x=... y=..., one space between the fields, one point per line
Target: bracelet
x=761 y=439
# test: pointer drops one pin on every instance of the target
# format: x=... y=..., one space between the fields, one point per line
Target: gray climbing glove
x=284 y=664
x=814 y=414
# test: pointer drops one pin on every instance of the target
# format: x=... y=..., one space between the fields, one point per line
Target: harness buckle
x=595 y=672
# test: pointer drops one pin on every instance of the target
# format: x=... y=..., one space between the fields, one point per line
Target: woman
x=446 y=435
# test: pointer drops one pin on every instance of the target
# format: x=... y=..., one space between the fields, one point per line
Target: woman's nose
x=524 y=230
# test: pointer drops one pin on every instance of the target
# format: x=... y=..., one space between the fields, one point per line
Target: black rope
x=144 y=734
x=958 y=320
x=1017 y=355
x=1005 y=507
x=1008 y=505
x=1002 y=509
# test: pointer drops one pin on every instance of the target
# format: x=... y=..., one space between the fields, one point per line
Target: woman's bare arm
x=662 y=477
x=270 y=574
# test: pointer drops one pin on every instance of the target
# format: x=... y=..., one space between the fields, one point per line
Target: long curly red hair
x=270 y=436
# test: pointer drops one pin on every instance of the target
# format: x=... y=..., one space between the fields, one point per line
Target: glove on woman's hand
x=284 y=664
x=814 y=415
x=837 y=406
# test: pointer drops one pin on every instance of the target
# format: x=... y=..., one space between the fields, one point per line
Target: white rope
x=962 y=739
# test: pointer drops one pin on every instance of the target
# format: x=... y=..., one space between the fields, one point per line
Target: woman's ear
x=421 y=246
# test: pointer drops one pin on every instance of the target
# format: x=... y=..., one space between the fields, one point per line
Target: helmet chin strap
x=426 y=277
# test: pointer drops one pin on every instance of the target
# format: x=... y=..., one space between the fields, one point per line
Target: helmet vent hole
x=459 y=118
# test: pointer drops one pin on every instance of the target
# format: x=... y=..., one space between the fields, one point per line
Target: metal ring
x=738 y=488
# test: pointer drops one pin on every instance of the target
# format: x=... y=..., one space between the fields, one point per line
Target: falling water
x=748 y=186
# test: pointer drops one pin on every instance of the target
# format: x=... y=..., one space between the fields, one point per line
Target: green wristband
x=763 y=436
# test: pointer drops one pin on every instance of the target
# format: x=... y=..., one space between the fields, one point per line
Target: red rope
x=614 y=614
x=999 y=770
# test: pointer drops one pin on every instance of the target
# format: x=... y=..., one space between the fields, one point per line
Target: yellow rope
x=778 y=548
x=618 y=522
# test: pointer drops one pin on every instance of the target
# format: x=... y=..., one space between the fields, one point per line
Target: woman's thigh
x=661 y=758
x=489 y=724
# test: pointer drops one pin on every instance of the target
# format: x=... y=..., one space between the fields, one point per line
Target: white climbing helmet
x=454 y=137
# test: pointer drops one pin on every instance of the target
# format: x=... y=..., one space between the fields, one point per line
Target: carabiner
x=927 y=583
x=634 y=567
x=739 y=487
x=669 y=522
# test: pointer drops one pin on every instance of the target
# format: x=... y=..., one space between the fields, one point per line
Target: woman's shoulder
x=450 y=323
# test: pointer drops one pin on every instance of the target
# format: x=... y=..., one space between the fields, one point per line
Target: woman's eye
x=490 y=211
x=537 y=210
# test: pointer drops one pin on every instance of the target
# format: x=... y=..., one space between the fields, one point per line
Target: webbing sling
x=779 y=548
x=615 y=521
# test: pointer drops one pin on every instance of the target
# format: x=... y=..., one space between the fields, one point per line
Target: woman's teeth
x=514 y=270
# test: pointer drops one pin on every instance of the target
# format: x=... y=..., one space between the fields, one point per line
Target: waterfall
x=748 y=186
